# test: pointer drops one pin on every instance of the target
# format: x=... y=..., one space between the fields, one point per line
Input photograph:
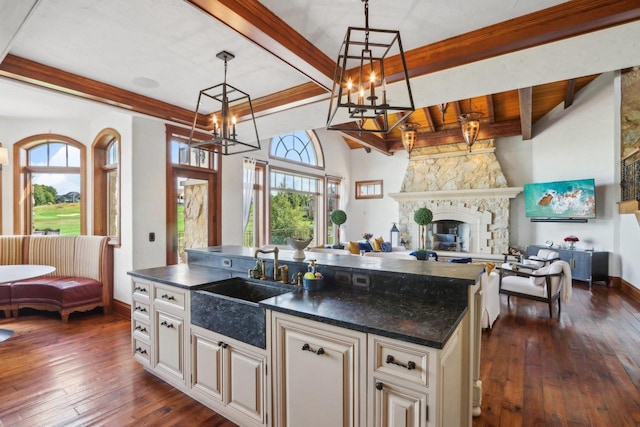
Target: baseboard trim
x=122 y=309
x=630 y=290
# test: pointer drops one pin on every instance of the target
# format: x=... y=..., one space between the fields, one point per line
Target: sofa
x=445 y=242
x=82 y=281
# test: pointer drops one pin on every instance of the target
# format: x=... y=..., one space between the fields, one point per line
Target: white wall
x=578 y=143
x=374 y=216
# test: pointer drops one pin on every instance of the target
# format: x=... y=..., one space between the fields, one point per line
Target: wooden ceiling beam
x=525 y=97
x=454 y=136
x=427 y=113
x=24 y=70
x=569 y=93
x=566 y=20
x=490 y=111
x=367 y=139
x=260 y=25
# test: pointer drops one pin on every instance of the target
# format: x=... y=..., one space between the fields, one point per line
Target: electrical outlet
x=361 y=280
x=226 y=262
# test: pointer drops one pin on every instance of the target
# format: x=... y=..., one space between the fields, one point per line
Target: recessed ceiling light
x=145 y=82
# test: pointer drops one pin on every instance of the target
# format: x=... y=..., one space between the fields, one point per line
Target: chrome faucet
x=276 y=270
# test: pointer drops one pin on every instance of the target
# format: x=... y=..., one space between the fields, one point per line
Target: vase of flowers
x=367 y=236
x=572 y=241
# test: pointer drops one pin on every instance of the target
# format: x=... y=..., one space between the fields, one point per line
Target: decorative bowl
x=298 y=244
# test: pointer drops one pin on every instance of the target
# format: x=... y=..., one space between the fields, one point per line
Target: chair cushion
x=64 y=292
x=11 y=250
x=523 y=285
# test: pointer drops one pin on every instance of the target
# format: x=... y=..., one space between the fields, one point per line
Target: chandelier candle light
x=359 y=98
x=229 y=103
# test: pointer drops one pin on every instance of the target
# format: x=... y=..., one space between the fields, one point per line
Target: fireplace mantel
x=471 y=193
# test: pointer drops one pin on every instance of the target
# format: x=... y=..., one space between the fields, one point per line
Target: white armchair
x=545 y=284
x=543 y=258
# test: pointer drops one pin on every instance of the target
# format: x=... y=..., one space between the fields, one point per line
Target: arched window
x=297 y=200
x=49 y=186
x=106 y=185
x=298 y=147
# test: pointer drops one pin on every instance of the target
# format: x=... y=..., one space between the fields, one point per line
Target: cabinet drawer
x=171 y=296
x=141 y=310
x=141 y=351
x=140 y=329
x=141 y=290
x=399 y=359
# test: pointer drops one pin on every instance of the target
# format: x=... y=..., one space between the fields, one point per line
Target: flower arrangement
x=572 y=241
x=367 y=236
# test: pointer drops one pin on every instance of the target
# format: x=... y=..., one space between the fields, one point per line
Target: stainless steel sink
x=230 y=307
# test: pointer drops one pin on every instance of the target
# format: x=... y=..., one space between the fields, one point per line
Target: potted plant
x=422 y=217
x=338 y=217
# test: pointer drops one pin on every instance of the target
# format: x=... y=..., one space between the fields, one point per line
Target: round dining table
x=14 y=273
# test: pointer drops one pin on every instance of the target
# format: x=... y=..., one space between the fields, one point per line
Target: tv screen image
x=561 y=199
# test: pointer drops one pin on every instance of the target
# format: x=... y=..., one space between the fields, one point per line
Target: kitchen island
x=385 y=340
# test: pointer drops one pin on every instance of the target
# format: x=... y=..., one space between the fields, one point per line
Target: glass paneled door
x=191 y=215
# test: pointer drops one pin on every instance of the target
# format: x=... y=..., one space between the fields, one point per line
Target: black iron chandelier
x=360 y=93
x=232 y=106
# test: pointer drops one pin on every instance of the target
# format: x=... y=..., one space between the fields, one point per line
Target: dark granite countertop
x=182 y=275
x=421 y=320
x=428 y=323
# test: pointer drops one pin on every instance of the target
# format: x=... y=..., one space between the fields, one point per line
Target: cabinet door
x=169 y=347
x=246 y=382
x=397 y=406
x=319 y=374
x=580 y=265
x=206 y=368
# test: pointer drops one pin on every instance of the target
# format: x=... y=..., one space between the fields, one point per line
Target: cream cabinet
x=159 y=315
x=319 y=373
x=410 y=385
x=229 y=374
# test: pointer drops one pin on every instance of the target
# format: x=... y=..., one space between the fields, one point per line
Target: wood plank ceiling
x=504 y=114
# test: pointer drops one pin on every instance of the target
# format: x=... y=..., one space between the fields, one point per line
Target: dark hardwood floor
x=583 y=370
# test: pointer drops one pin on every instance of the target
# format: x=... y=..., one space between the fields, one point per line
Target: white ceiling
x=171 y=42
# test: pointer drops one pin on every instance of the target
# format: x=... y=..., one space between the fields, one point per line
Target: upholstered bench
x=82 y=279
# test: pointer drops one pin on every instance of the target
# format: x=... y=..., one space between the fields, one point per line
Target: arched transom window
x=298 y=147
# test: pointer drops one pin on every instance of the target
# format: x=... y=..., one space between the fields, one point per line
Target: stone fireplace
x=459 y=186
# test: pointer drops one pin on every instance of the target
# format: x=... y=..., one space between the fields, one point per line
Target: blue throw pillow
x=365 y=246
x=460 y=260
x=386 y=246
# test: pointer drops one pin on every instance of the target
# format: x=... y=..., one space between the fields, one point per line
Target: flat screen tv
x=574 y=199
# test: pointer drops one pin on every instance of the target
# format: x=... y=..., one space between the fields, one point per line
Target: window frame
x=101 y=170
x=373 y=182
x=22 y=172
x=314 y=143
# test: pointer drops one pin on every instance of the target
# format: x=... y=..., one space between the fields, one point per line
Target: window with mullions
x=182 y=154
x=50 y=186
x=333 y=203
x=298 y=147
x=293 y=200
x=106 y=184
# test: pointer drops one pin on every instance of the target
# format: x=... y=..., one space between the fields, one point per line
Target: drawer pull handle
x=409 y=366
x=167 y=324
x=307 y=347
x=141 y=328
x=222 y=344
x=141 y=309
x=168 y=297
x=141 y=351
x=140 y=289
x=379 y=385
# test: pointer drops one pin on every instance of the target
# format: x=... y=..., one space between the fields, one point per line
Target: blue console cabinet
x=586 y=266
